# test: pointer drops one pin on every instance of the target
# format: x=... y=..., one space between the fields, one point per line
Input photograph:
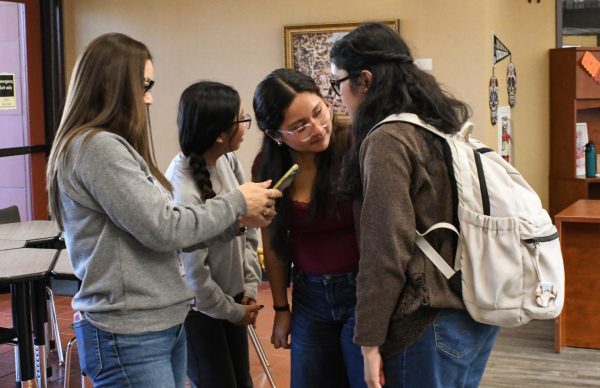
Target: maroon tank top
x=323 y=244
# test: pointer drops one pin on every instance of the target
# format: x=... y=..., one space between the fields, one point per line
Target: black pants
x=217 y=353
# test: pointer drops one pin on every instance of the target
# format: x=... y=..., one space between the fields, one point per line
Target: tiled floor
x=279 y=359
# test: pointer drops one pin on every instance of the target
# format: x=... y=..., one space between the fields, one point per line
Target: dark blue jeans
x=452 y=353
x=323 y=354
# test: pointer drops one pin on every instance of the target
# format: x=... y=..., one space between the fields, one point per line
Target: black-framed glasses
x=148 y=84
x=245 y=120
x=335 y=84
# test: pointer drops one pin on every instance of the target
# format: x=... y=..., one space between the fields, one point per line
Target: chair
x=9 y=215
x=68 y=362
x=63 y=270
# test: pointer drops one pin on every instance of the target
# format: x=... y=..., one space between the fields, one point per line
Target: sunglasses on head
x=148 y=84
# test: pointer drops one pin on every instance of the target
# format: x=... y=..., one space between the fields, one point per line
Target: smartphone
x=287 y=178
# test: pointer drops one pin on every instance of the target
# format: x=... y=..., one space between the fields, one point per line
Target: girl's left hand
x=373 y=365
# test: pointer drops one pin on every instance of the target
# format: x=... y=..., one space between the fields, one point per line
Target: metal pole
x=21 y=310
x=261 y=354
x=40 y=319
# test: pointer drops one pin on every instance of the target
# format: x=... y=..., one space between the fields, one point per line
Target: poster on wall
x=7 y=91
x=504 y=133
x=307 y=50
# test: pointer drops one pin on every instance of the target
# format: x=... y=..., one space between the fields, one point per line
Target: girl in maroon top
x=314 y=230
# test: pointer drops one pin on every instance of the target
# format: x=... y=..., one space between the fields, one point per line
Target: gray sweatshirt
x=229 y=264
x=123 y=233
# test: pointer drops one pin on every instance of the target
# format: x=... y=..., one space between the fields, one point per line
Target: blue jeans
x=322 y=352
x=453 y=352
x=154 y=359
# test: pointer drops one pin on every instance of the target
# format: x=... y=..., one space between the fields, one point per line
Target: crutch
x=261 y=354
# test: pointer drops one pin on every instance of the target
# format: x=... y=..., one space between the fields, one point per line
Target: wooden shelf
x=574 y=98
x=588 y=180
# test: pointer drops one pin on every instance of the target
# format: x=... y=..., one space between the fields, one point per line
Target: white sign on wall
x=8 y=99
x=505 y=142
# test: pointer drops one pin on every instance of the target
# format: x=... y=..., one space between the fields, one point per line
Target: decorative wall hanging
x=500 y=53
x=500 y=50
x=511 y=84
x=493 y=98
x=307 y=50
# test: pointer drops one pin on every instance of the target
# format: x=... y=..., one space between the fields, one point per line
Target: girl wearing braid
x=224 y=273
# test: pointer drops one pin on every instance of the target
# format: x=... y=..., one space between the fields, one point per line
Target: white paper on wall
x=505 y=143
x=581 y=139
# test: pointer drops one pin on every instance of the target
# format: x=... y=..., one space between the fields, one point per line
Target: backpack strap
x=431 y=253
x=466 y=186
x=408 y=118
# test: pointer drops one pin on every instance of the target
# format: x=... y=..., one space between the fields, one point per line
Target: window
x=577 y=23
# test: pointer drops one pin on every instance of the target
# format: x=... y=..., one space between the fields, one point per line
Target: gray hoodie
x=229 y=265
x=123 y=233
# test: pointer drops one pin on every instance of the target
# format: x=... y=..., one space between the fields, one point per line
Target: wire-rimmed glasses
x=321 y=118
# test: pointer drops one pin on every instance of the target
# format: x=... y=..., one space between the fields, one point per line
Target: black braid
x=201 y=176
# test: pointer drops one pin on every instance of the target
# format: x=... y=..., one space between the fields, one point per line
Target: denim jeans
x=149 y=360
x=322 y=352
x=217 y=353
x=453 y=352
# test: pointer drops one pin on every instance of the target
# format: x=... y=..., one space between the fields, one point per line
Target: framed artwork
x=307 y=50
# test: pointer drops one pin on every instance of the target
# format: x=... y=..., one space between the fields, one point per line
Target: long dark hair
x=397 y=86
x=206 y=109
x=106 y=93
x=272 y=98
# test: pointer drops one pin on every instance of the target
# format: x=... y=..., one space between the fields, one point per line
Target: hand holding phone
x=287 y=178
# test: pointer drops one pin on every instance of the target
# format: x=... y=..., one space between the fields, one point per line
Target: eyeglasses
x=335 y=84
x=245 y=120
x=148 y=84
x=321 y=118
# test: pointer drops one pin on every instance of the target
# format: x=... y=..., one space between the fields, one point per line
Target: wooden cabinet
x=579 y=323
x=574 y=97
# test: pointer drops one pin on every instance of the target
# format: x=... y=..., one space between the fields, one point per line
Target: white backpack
x=508 y=249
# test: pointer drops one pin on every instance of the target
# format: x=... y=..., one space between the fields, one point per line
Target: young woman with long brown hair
x=122 y=229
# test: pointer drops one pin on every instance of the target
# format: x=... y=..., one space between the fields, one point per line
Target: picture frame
x=307 y=49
